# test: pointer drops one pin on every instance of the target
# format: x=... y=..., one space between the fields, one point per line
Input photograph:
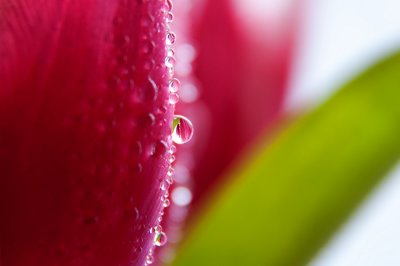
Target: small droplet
x=166 y=203
x=160 y=239
x=160 y=148
x=182 y=130
x=170 y=62
x=170 y=52
x=164 y=185
x=170 y=171
x=172 y=159
x=149 y=259
x=170 y=17
x=173 y=98
x=172 y=150
x=171 y=37
x=156 y=229
x=169 y=179
x=169 y=5
x=174 y=85
x=147 y=47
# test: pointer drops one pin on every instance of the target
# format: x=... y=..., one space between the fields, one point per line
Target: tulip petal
x=85 y=127
x=243 y=80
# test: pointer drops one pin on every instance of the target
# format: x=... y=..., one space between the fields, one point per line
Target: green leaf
x=288 y=199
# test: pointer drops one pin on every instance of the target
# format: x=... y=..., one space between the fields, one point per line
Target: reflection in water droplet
x=160 y=239
x=182 y=130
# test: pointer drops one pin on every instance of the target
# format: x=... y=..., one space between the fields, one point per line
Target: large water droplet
x=160 y=239
x=182 y=130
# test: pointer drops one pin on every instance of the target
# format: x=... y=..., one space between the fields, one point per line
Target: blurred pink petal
x=242 y=68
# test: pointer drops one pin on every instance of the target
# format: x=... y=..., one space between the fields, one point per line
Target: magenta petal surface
x=242 y=68
x=85 y=128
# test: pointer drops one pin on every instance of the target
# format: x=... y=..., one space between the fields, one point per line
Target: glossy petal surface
x=84 y=117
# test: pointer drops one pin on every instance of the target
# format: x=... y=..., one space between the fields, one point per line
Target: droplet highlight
x=182 y=130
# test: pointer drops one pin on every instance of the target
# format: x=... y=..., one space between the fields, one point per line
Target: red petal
x=84 y=130
x=243 y=73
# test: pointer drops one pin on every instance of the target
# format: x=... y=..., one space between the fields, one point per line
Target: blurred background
x=314 y=46
x=337 y=39
x=307 y=50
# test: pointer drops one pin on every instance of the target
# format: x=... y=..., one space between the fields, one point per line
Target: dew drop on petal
x=173 y=98
x=169 y=5
x=182 y=130
x=174 y=85
x=170 y=17
x=160 y=239
x=170 y=52
x=171 y=37
x=149 y=259
x=170 y=62
x=164 y=185
x=166 y=203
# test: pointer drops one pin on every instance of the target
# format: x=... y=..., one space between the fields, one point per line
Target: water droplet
x=160 y=148
x=136 y=213
x=182 y=130
x=170 y=17
x=173 y=98
x=149 y=259
x=170 y=52
x=170 y=62
x=174 y=85
x=170 y=171
x=169 y=5
x=160 y=239
x=169 y=179
x=171 y=37
x=147 y=120
x=147 y=93
x=148 y=47
x=172 y=150
x=166 y=203
x=164 y=185
x=172 y=159
x=156 y=229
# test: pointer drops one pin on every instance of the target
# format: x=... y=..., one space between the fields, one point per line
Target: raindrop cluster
x=182 y=132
